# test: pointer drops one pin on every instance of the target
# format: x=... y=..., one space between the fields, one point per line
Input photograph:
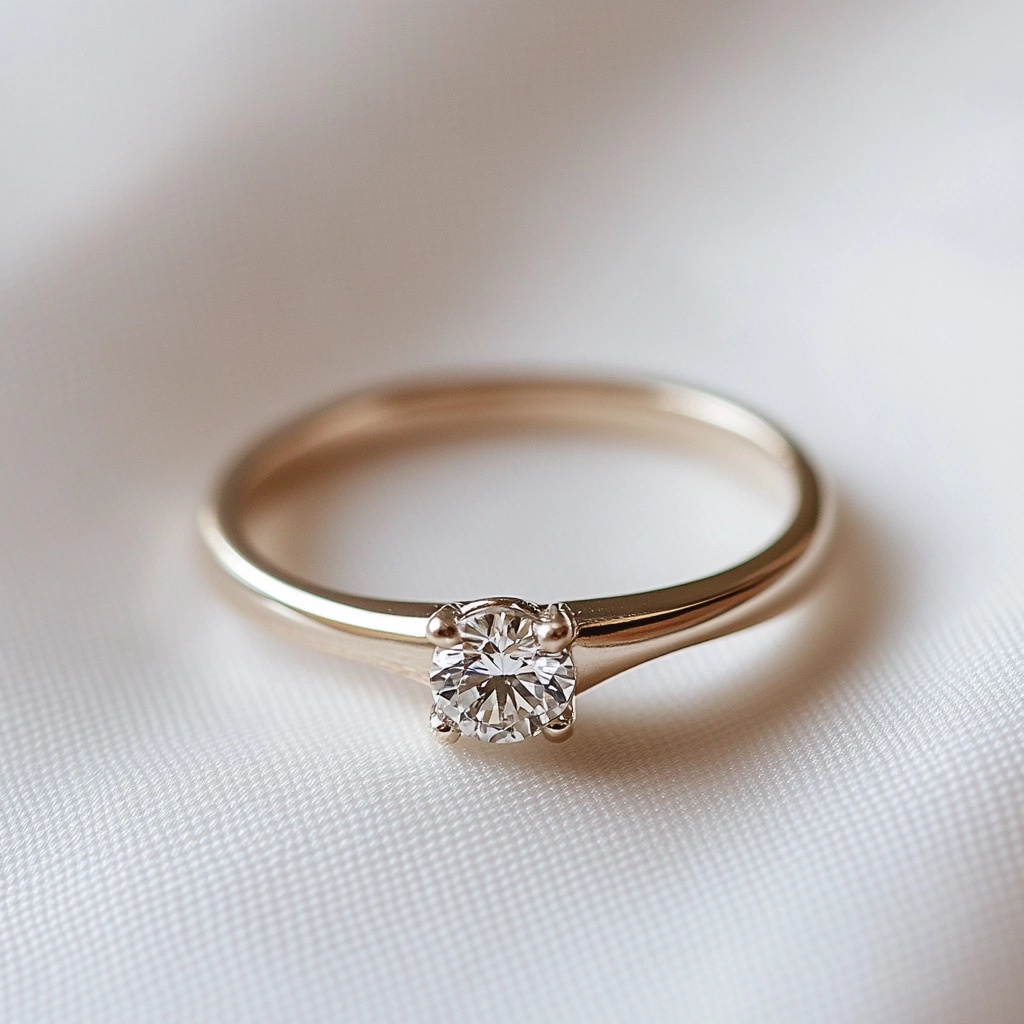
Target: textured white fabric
x=215 y=213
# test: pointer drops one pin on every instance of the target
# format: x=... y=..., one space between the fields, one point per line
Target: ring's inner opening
x=534 y=513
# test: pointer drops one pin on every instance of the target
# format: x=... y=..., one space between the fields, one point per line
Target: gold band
x=612 y=633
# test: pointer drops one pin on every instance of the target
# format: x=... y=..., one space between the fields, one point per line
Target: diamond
x=497 y=683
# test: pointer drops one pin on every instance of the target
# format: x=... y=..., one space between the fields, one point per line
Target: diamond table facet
x=497 y=684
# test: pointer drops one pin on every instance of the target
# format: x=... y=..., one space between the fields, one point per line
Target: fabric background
x=215 y=213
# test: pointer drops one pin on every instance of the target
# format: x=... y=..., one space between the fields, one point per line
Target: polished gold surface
x=608 y=635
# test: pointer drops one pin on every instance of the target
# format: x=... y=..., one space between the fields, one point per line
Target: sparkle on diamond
x=498 y=684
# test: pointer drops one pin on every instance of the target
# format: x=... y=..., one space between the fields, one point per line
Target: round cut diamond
x=497 y=683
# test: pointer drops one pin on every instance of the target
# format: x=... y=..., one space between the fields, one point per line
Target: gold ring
x=504 y=669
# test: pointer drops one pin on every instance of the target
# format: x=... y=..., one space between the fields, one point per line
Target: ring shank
x=614 y=633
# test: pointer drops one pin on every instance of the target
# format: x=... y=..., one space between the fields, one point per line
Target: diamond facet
x=497 y=683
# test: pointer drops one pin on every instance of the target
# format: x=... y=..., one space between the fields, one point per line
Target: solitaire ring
x=504 y=669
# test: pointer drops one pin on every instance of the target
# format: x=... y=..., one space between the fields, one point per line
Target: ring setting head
x=502 y=671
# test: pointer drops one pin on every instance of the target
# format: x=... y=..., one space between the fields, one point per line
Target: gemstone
x=497 y=684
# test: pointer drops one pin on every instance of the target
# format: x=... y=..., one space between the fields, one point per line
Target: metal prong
x=443 y=728
x=443 y=627
x=561 y=728
x=555 y=630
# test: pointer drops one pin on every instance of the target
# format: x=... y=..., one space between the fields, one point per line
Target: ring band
x=503 y=669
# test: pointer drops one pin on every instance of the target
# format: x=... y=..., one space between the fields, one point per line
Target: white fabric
x=216 y=213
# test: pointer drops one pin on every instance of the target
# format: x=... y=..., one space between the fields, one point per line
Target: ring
x=504 y=669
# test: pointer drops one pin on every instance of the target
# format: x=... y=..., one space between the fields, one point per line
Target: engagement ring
x=504 y=669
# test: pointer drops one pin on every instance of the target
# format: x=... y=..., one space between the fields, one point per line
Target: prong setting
x=561 y=728
x=556 y=630
x=443 y=627
x=497 y=682
x=443 y=728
